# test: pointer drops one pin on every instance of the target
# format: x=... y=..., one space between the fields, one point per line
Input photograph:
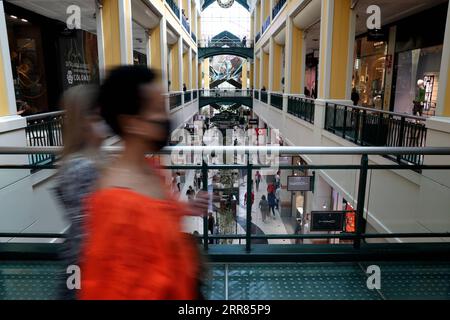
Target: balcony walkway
x=241 y=97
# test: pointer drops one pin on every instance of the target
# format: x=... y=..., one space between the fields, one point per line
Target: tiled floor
x=330 y=281
x=311 y=281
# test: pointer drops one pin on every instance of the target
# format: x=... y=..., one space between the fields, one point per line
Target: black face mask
x=166 y=126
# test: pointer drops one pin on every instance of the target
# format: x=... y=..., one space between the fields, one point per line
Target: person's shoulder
x=77 y=162
x=77 y=167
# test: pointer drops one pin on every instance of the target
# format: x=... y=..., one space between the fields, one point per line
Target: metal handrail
x=397 y=114
x=44 y=115
x=357 y=237
x=249 y=149
x=226 y=93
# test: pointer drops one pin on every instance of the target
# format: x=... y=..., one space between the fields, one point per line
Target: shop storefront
x=140 y=44
x=418 y=52
x=312 y=65
x=47 y=58
x=298 y=198
x=369 y=71
x=389 y=70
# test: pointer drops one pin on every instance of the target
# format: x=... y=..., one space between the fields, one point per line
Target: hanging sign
x=327 y=220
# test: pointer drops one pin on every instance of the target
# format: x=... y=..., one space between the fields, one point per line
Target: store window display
x=27 y=64
x=369 y=72
x=417 y=80
x=46 y=59
x=420 y=98
x=140 y=44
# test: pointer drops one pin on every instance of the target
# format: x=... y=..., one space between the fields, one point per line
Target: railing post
x=248 y=231
x=51 y=141
x=334 y=117
x=378 y=137
x=401 y=135
x=50 y=132
x=357 y=121
x=205 y=218
x=363 y=126
x=344 y=125
x=360 y=224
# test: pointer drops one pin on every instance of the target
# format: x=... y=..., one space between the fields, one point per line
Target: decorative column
x=294 y=74
x=115 y=31
x=337 y=36
x=7 y=94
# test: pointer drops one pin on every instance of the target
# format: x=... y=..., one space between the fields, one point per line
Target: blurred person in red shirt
x=135 y=248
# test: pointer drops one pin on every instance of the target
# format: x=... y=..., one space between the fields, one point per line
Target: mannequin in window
x=420 y=98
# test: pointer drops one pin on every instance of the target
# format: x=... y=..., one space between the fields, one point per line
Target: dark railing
x=226 y=93
x=276 y=8
x=302 y=108
x=264 y=96
x=220 y=43
x=187 y=96
x=357 y=235
x=195 y=94
x=265 y=25
x=276 y=100
x=175 y=100
x=44 y=130
x=174 y=7
x=370 y=127
x=193 y=37
x=185 y=24
x=258 y=36
x=256 y=94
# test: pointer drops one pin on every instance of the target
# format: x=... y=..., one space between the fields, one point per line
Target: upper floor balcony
x=277 y=8
x=186 y=24
x=265 y=25
x=174 y=7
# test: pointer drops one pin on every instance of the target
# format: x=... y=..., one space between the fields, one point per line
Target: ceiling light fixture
x=14 y=17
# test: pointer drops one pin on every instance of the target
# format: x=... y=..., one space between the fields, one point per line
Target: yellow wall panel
x=297 y=61
x=339 y=52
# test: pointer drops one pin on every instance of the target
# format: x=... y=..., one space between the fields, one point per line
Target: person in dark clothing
x=313 y=93
x=184 y=87
x=306 y=92
x=355 y=97
x=211 y=222
x=190 y=193
x=257 y=180
x=272 y=202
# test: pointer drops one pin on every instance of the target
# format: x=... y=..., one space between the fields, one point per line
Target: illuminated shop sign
x=299 y=183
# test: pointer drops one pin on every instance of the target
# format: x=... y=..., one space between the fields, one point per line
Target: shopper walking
x=190 y=193
x=252 y=198
x=83 y=133
x=278 y=198
x=264 y=208
x=135 y=248
x=272 y=202
x=178 y=181
x=257 y=180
